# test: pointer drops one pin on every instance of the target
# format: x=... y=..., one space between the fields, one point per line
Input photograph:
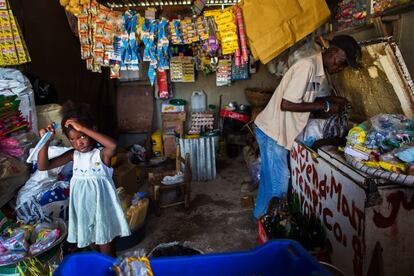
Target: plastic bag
x=312 y=132
x=299 y=52
x=406 y=154
x=18 y=146
x=137 y=154
x=55 y=201
x=11 y=257
x=134 y=263
x=41 y=181
x=43 y=236
x=389 y=131
x=10 y=168
x=15 y=241
x=31 y=212
x=254 y=171
x=137 y=213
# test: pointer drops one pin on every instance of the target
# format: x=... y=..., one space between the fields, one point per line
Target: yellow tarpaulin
x=272 y=26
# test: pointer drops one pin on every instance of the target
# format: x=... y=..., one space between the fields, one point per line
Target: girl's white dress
x=95 y=213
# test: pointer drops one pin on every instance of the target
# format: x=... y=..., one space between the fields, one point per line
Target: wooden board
x=135 y=105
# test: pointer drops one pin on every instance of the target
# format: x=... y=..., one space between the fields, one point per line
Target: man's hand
x=336 y=108
x=337 y=104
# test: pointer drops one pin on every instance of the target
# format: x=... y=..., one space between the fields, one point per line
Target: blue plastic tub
x=86 y=264
x=280 y=257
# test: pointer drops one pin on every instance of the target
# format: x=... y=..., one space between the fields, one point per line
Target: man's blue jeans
x=274 y=174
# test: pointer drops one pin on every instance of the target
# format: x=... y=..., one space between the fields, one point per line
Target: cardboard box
x=174 y=116
x=125 y=174
x=173 y=123
x=167 y=108
x=173 y=127
x=169 y=145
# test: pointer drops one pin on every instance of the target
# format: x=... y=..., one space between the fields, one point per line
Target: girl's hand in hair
x=73 y=123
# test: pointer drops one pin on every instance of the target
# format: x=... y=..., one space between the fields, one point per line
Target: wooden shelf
x=396 y=10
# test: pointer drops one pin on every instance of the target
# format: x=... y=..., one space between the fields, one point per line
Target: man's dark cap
x=351 y=48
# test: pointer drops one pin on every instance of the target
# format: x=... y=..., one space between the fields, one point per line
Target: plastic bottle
x=198 y=101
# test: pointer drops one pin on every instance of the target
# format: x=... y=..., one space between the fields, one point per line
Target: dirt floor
x=217 y=220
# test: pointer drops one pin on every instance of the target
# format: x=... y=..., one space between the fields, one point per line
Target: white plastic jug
x=198 y=101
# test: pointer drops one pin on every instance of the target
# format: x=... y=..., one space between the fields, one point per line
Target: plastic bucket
x=156 y=141
x=173 y=249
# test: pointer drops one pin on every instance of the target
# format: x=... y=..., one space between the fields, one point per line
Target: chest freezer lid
x=332 y=155
x=336 y=158
x=382 y=84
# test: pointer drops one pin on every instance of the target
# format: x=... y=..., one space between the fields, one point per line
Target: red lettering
x=301 y=151
x=394 y=201
x=345 y=206
x=294 y=154
x=325 y=214
x=322 y=187
x=315 y=179
x=302 y=165
x=308 y=191
x=308 y=173
x=357 y=218
x=301 y=182
x=338 y=191
x=297 y=175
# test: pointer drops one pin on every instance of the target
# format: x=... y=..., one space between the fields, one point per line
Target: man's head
x=343 y=51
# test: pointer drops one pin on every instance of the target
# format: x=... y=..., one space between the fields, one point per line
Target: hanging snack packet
x=115 y=71
x=242 y=35
x=162 y=81
x=163 y=45
x=202 y=28
x=176 y=69
x=223 y=74
x=175 y=32
x=188 y=31
x=99 y=57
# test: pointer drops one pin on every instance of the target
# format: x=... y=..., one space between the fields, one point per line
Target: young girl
x=95 y=213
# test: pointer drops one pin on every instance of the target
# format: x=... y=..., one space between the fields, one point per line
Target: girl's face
x=80 y=141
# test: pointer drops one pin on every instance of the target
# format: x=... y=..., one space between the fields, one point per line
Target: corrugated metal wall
x=202 y=157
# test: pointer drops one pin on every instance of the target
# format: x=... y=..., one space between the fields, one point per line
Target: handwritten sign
x=338 y=201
